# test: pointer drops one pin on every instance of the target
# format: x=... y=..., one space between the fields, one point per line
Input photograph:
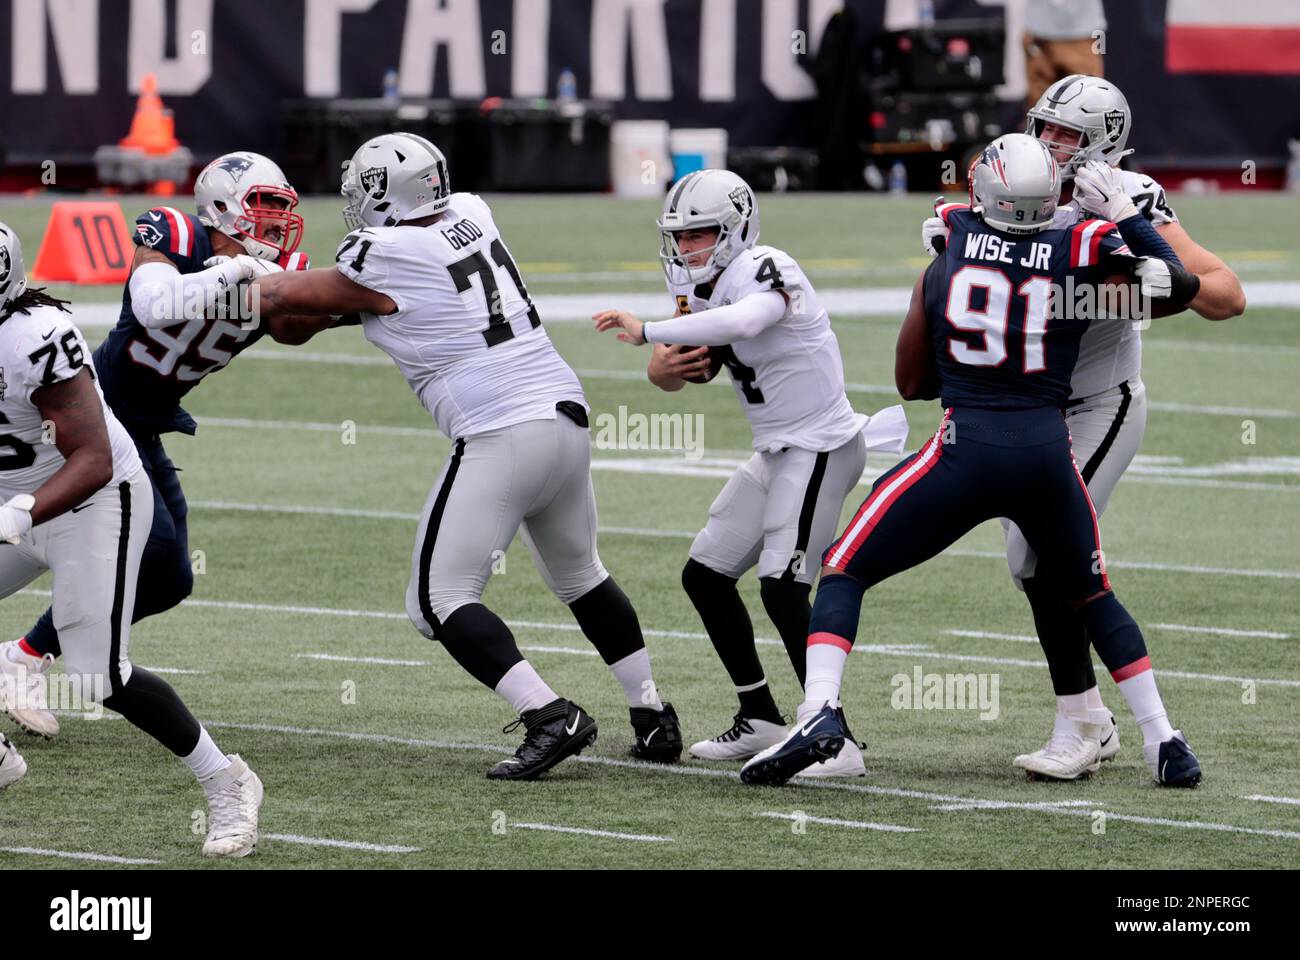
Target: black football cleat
x=658 y=734
x=558 y=730
x=820 y=738
x=1172 y=763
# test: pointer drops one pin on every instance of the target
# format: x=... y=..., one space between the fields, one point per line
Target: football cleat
x=658 y=734
x=1073 y=751
x=1172 y=762
x=820 y=737
x=22 y=690
x=849 y=763
x=12 y=765
x=558 y=730
x=234 y=798
x=745 y=739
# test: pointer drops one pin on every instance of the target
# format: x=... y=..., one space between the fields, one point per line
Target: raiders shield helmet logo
x=1114 y=124
x=375 y=182
x=5 y=266
x=740 y=199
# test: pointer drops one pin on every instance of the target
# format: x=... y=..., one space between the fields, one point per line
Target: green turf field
x=297 y=653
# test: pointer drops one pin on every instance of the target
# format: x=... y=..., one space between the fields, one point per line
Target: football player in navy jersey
x=994 y=329
x=178 y=325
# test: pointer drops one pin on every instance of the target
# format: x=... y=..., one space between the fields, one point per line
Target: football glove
x=1163 y=280
x=243 y=267
x=16 y=517
x=934 y=236
x=1100 y=191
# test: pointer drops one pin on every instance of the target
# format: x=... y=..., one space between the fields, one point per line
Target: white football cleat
x=12 y=766
x=1073 y=751
x=745 y=739
x=849 y=763
x=234 y=797
x=22 y=690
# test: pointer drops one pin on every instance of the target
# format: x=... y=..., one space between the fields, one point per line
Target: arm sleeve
x=1144 y=241
x=161 y=295
x=721 y=325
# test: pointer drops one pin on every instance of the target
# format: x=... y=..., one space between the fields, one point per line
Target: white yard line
x=340 y=844
x=1007 y=805
x=1225 y=631
x=583 y=831
x=177 y=671
x=73 y=855
x=832 y=822
x=1289 y=801
x=381 y=661
x=984 y=635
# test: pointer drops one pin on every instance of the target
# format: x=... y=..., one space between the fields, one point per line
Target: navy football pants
x=980 y=465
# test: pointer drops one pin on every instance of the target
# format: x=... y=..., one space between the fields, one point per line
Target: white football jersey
x=40 y=348
x=790 y=378
x=1111 y=353
x=465 y=335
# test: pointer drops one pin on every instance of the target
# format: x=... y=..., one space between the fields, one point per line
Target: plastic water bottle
x=898 y=178
x=566 y=87
x=926 y=12
x=390 y=85
x=1293 y=168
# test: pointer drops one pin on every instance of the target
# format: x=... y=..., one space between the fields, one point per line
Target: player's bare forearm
x=76 y=419
x=1221 y=295
x=914 y=370
x=323 y=293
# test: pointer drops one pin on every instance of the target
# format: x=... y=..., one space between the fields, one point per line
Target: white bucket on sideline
x=639 y=162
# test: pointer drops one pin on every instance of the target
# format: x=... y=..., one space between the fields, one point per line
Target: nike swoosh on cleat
x=1108 y=739
x=569 y=730
x=805 y=730
x=647 y=740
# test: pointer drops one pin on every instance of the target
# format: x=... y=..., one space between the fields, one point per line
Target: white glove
x=1100 y=191
x=933 y=229
x=1157 y=282
x=16 y=518
x=243 y=267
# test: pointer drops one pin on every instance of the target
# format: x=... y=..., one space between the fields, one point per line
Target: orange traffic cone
x=153 y=129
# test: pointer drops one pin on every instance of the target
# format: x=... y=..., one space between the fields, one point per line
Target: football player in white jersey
x=436 y=289
x=77 y=502
x=754 y=310
x=1086 y=122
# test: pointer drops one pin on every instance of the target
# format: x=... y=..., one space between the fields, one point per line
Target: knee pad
x=781 y=597
x=700 y=581
x=429 y=617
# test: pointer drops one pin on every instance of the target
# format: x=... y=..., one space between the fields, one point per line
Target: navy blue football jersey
x=145 y=373
x=991 y=301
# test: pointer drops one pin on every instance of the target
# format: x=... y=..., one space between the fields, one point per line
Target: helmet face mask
x=706 y=200
x=13 y=272
x=1015 y=185
x=392 y=178
x=1095 y=108
x=231 y=195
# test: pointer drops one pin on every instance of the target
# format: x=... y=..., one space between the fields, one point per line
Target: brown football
x=715 y=364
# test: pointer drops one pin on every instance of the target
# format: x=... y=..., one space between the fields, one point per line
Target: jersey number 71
x=498 y=329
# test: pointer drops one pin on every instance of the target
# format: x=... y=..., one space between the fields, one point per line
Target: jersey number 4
x=991 y=321
x=498 y=328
